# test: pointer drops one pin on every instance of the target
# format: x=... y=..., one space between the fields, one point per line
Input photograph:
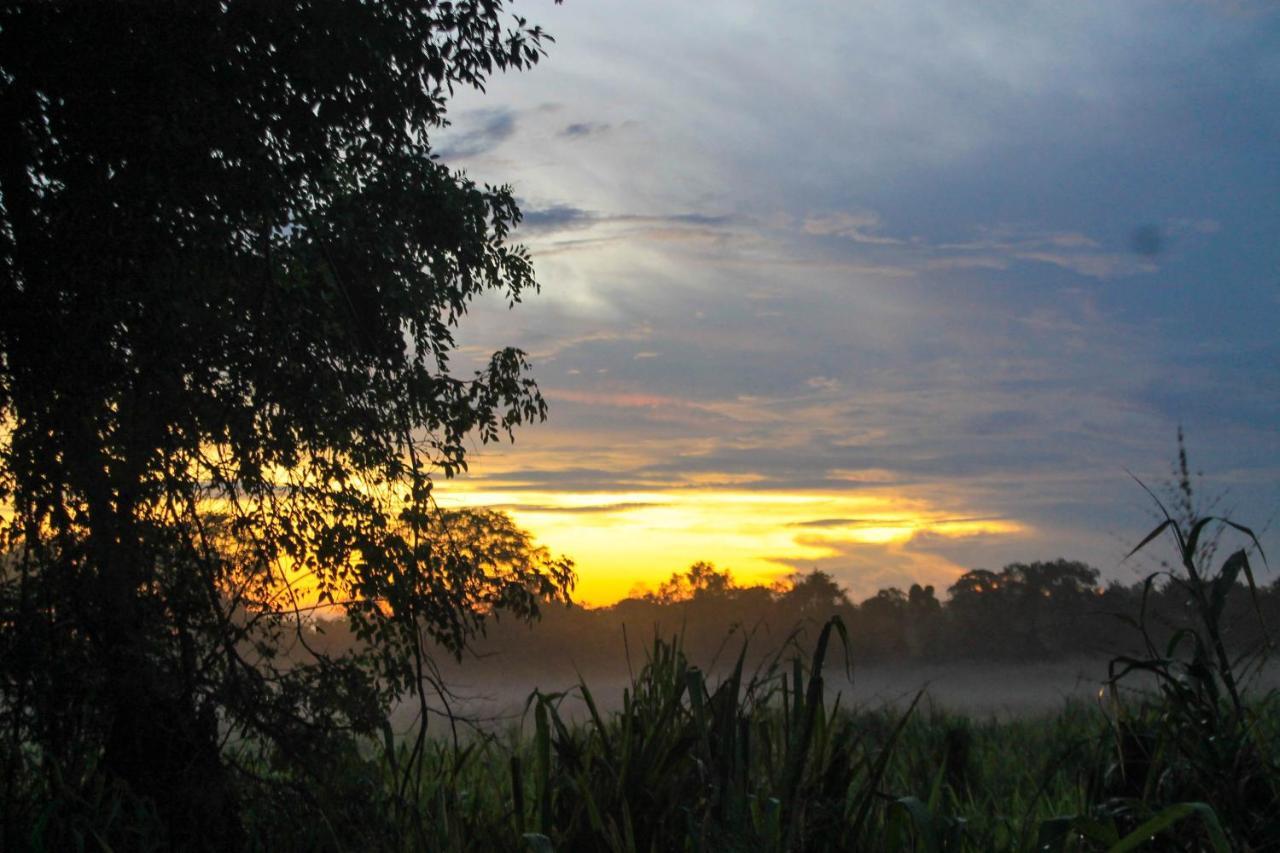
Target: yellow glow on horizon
x=881 y=535
x=622 y=539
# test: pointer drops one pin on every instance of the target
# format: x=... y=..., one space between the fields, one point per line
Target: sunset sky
x=890 y=289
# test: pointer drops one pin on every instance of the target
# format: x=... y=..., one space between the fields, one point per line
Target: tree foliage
x=231 y=270
x=702 y=580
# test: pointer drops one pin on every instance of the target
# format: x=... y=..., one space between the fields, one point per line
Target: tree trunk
x=158 y=742
x=166 y=751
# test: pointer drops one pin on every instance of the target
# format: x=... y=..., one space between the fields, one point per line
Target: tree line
x=1025 y=613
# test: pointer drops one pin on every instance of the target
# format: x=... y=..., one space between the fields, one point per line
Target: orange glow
x=621 y=539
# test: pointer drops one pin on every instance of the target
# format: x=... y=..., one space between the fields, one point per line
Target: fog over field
x=496 y=697
x=977 y=688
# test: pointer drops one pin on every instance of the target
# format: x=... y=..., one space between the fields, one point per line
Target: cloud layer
x=976 y=261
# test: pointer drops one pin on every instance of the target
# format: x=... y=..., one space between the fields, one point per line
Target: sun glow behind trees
x=622 y=540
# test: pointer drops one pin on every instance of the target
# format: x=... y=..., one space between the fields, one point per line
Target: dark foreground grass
x=762 y=762
x=771 y=762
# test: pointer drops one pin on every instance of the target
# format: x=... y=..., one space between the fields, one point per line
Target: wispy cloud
x=1092 y=264
x=563 y=217
x=584 y=509
x=860 y=227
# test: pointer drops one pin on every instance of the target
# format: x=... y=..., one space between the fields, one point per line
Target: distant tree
x=978 y=611
x=886 y=601
x=700 y=580
x=705 y=579
x=230 y=273
x=922 y=601
x=814 y=593
x=881 y=622
x=1057 y=579
x=923 y=618
x=973 y=585
x=1023 y=610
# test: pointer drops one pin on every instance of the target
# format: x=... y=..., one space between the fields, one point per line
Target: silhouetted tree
x=815 y=593
x=922 y=600
x=1014 y=613
x=976 y=606
x=700 y=580
x=923 y=620
x=881 y=624
x=230 y=271
x=1058 y=579
x=974 y=585
x=1046 y=598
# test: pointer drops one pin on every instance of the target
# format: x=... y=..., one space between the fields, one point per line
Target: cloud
x=557 y=217
x=942 y=522
x=580 y=129
x=961 y=262
x=1003 y=422
x=863 y=569
x=860 y=227
x=590 y=509
x=823 y=383
x=842 y=522
x=996 y=246
x=902 y=281
x=686 y=219
x=1184 y=225
x=486 y=129
x=573 y=480
x=1092 y=265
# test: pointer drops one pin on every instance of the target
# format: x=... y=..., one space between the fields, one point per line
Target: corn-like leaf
x=1145 y=834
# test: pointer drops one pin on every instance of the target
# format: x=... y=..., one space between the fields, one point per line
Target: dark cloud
x=1003 y=422
x=688 y=219
x=558 y=217
x=585 y=128
x=486 y=130
x=840 y=522
x=565 y=217
x=1147 y=240
x=573 y=480
x=576 y=510
x=822 y=523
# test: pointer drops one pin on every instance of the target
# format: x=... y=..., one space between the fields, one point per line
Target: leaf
x=921 y=820
x=1160 y=528
x=1145 y=834
x=1052 y=834
x=538 y=843
x=1247 y=532
x=1193 y=538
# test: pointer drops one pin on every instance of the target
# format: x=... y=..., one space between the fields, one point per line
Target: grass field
x=772 y=761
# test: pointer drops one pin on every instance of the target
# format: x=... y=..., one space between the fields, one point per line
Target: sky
x=887 y=289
